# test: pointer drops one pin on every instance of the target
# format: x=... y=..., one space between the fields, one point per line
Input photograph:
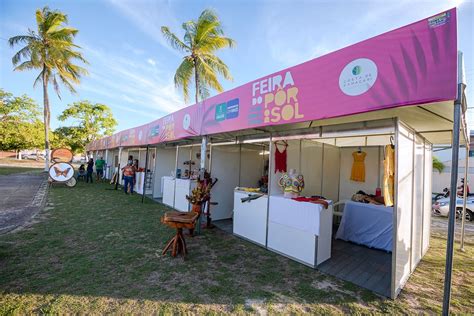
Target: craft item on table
x=251 y=197
x=363 y=197
x=312 y=200
x=388 y=173
x=248 y=189
x=358 y=166
x=291 y=183
x=280 y=157
x=263 y=184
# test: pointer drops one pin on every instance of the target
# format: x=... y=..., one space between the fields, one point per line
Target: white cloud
x=151 y=62
x=149 y=16
x=130 y=84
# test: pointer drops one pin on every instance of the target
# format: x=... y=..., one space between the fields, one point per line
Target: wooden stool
x=178 y=220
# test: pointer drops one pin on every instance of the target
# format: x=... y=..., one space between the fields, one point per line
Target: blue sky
x=132 y=67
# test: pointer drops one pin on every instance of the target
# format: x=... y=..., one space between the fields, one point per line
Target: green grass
x=95 y=250
x=4 y=170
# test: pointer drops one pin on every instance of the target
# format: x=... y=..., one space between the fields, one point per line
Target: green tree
x=52 y=51
x=202 y=38
x=20 y=124
x=91 y=122
x=438 y=165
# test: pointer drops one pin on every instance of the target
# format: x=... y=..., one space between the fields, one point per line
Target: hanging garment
x=358 y=166
x=388 y=175
x=280 y=159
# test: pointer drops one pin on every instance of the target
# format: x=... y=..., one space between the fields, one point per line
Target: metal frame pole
x=463 y=214
x=146 y=169
x=452 y=204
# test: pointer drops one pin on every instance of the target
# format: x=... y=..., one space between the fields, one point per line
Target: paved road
x=439 y=225
x=22 y=195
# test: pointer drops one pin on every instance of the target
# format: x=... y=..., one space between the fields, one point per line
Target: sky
x=131 y=66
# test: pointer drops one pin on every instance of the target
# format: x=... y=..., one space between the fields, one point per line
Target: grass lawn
x=5 y=170
x=99 y=251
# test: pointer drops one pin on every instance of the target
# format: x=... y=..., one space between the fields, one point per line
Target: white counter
x=139 y=182
x=167 y=185
x=183 y=187
x=300 y=230
x=250 y=218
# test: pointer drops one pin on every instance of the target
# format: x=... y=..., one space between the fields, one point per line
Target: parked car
x=32 y=156
x=441 y=207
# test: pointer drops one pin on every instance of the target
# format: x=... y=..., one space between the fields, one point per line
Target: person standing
x=128 y=177
x=99 y=168
x=90 y=170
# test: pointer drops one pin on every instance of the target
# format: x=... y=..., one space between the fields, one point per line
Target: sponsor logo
x=227 y=110
x=439 y=19
x=186 y=121
x=358 y=76
x=155 y=130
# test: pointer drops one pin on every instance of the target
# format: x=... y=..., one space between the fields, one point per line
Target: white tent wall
x=225 y=167
x=412 y=213
x=427 y=183
x=373 y=171
x=402 y=226
x=164 y=166
x=252 y=163
x=234 y=165
x=418 y=201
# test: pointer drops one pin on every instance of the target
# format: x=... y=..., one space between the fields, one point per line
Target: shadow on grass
x=105 y=247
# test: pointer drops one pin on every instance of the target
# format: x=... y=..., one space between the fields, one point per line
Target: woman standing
x=90 y=169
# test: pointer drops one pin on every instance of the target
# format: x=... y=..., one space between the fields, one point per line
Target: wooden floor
x=365 y=267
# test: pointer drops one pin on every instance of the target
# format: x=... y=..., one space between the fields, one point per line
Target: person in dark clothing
x=90 y=169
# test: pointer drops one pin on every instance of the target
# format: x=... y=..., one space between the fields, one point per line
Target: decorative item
x=388 y=174
x=280 y=157
x=61 y=155
x=291 y=183
x=358 y=166
x=61 y=172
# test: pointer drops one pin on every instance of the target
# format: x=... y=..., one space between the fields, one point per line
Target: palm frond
x=183 y=76
x=216 y=64
x=12 y=41
x=26 y=65
x=208 y=76
x=189 y=33
x=25 y=52
x=174 y=41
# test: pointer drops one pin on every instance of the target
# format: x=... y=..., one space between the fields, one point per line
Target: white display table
x=167 y=185
x=183 y=187
x=139 y=182
x=250 y=218
x=300 y=230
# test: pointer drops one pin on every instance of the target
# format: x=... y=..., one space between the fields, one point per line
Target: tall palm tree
x=52 y=51
x=202 y=38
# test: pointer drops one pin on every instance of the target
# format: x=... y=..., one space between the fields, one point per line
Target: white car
x=441 y=207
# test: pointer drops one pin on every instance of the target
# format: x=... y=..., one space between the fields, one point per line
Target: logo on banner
x=358 y=76
x=439 y=19
x=155 y=130
x=168 y=127
x=227 y=110
x=186 y=122
x=276 y=98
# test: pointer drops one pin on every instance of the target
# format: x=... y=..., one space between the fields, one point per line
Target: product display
x=280 y=158
x=291 y=183
x=388 y=174
x=358 y=166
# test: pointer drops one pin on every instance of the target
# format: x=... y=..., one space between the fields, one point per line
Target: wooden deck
x=365 y=267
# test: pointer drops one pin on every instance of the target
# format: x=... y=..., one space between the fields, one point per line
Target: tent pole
x=452 y=204
x=146 y=169
x=463 y=218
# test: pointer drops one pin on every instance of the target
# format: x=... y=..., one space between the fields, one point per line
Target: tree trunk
x=196 y=79
x=46 y=119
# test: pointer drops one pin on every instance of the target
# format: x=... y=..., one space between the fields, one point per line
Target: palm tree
x=52 y=51
x=438 y=165
x=202 y=38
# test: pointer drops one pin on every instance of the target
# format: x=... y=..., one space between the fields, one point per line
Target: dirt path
x=22 y=196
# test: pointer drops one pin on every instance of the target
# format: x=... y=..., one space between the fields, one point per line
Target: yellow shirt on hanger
x=358 y=166
x=388 y=175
